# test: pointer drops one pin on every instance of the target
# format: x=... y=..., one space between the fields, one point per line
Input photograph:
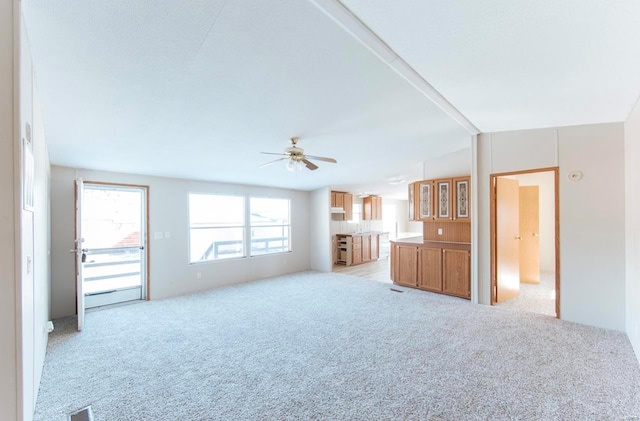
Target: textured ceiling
x=518 y=64
x=197 y=88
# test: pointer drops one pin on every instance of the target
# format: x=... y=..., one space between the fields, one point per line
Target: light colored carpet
x=536 y=298
x=331 y=346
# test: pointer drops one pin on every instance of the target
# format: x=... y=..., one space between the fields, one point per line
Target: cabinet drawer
x=356 y=240
x=356 y=246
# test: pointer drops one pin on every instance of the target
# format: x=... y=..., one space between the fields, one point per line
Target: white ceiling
x=198 y=88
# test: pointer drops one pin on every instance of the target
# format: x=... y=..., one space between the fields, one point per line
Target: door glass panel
x=112 y=225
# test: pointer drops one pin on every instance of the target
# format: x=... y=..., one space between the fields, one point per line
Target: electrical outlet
x=199 y=275
x=439 y=231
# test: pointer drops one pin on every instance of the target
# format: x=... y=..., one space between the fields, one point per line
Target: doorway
x=113 y=223
x=525 y=241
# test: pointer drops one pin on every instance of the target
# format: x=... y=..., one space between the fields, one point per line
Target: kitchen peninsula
x=440 y=260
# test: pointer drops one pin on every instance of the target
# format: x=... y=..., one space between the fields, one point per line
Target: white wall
x=24 y=261
x=451 y=165
x=8 y=312
x=170 y=272
x=632 y=178
x=592 y=231
x=545 y=182
x=319 y=226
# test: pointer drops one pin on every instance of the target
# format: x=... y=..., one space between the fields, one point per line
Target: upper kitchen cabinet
x=462 y=202
x=444 y=208
x=372 y=208
x=344 y=201
x=447 y=199
x=424 y=208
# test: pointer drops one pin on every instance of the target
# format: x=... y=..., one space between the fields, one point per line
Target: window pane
x=270 y=226
x=217 y=227
x=269 y=211
x=274 y=239
x=216 y=211
x=216 y=243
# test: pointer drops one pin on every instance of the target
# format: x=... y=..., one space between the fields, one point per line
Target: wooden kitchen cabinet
x=462 y=198
x=348 y=206
x=344 y=201
x=413 y=215
x=366 y=248
x=424 y=204
x=375 y=247
x=405 y=268
x=372 y=208
x=444 y=198
x=356 y=251
x=456 y=275
x=430 y=268
x=447 y=199
x=433 y=266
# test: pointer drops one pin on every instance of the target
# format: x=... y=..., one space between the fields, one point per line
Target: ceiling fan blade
x=271 y=162
x=310 y=164
x=275 y=153
x=322 y=158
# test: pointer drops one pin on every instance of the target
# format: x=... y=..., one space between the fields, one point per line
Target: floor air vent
x=85 y=414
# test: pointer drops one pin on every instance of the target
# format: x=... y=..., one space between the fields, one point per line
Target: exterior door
x=529 y=231
x=507 y=238
x=80 y=253
x=113 y=223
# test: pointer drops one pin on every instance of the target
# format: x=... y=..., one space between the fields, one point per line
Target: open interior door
x=80 y=253
x=507 y=238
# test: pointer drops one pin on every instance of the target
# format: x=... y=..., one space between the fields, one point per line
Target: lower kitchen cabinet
x=404 y=271
x=456 y=275
x=433 y=266
x=430 y=268
x=354 y=249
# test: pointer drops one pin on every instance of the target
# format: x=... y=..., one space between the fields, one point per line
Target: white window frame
x=247 y=227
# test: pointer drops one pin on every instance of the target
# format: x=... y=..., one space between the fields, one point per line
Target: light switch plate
x=439 y=231
x=157 y=235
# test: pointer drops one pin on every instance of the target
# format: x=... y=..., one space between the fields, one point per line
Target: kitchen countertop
x=355 y=234
x=420 y=241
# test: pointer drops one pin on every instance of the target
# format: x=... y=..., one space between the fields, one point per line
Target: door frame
x=494 y=223
x=147 y=281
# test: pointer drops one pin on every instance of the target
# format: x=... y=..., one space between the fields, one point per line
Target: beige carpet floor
x=314 y=346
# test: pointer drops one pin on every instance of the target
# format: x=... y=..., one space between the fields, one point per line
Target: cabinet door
x=425 y=200
x=413 y=215
x=462 y=199
x=366 y=248
x=456 y=274
x=339 y=200
x=444 y=208
x=333 y=199
x=406 y=265
x=356 y=250
x=366 y=209
x=430 y=268
x=348 y=207
x=378 y=201
x=375 y=246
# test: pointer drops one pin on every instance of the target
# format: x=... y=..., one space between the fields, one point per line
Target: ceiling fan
x=295 y=158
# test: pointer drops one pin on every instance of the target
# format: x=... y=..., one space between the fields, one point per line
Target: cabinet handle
x=517 y=238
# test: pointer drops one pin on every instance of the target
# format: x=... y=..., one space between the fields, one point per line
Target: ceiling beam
x=340 y=14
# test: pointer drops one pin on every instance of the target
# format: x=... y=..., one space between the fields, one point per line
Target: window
x=270 y=225
x=216 y=227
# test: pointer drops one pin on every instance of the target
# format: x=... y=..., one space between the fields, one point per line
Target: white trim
x=356 y=28
x=474 y=219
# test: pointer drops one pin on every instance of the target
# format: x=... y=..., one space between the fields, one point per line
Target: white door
x=80 y=253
